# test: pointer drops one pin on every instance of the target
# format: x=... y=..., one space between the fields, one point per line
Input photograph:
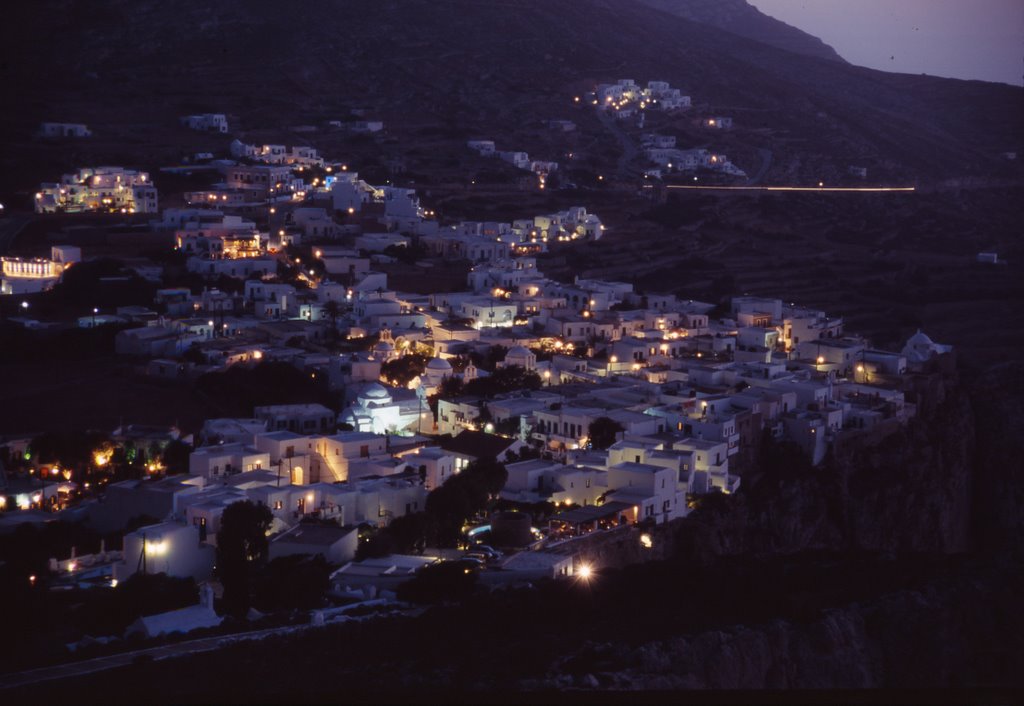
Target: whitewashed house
x=52 y=130
x=206 y=122
x=166 y=548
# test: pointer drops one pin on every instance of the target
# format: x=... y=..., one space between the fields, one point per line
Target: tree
x=67 y=449
x=439 y=582
x=241 y=544
x=193 y=354
x=403 y=535
x=110 y=612
x=333 y=311
x=603 y=432
x=175 y=457
x=270 y=382
x=403 y=370
x=448 y=389
x=489 y=362
x=462 y=496
x=507 y=379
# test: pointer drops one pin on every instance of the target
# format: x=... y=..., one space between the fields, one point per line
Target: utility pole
x=42 y=490
x=142 y=556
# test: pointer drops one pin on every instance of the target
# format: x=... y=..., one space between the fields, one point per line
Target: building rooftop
x=314 y=535
x=282 y=435
x=534 y=464
x=633 y=467
x=592 y=513
x=477 y=444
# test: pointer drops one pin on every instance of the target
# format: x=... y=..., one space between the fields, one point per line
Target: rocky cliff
x=958 y=633
x=909 y=490
x=947 y=485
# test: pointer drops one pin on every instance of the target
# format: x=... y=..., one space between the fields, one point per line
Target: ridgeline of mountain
x=479 y=68
x=743 y=19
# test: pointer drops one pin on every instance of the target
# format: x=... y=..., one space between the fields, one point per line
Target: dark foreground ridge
x=860 y=576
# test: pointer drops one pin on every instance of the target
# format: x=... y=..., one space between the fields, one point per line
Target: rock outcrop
x=957 y=634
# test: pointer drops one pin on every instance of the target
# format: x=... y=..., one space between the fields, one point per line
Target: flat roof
x=532 y=561
x=590 y=513
x=637 y=467
x=283 y=435
x=532 y=464
x=314 y=535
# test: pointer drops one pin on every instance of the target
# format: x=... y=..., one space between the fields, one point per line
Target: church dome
x=920 y=339
x=518 y=352
x=439 y=365
x=376 y=391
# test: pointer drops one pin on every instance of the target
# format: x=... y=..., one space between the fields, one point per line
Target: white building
x=485 y=148
x=107 y=189
x=206 y=122
x=654 y=489
x=221 y=460
x=166 y=548
x=522 y=357
x=376 y=411
x=298 y=418
x=26 y=276
x=919 y=349
x=435 y=465
x=64 y=130
x=337 y=545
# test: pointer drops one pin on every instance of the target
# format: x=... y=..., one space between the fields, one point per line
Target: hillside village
x=606 y=407
x=547 y=348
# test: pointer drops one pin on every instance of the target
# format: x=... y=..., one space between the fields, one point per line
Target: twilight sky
x=974 y=39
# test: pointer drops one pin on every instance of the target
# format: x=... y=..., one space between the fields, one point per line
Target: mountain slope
x=482 y=67
x=745 y=20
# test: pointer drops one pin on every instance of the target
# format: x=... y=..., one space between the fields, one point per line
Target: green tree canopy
x=241 y=544
x=404 y=369
x=603 y=432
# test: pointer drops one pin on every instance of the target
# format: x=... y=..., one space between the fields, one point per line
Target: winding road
x=766 y=164
x=629 y=147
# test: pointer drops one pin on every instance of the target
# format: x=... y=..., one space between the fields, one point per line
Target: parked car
x=491 y=552
x=471 y=562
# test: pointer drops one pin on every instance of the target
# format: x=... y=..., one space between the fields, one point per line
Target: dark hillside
x=743 y=19
x=473 y=67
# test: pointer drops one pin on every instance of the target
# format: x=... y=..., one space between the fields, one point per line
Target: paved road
x=179 y=649
x=629 y=148
x=766 y=163
x=9 y=229
x=99 y=664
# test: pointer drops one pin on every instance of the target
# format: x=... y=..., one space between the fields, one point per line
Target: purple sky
x=975 y=39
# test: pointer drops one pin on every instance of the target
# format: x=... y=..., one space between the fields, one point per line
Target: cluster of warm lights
x=624 y=102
